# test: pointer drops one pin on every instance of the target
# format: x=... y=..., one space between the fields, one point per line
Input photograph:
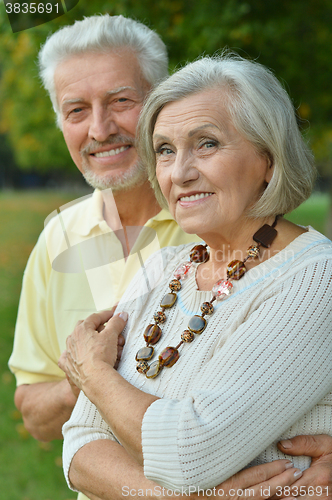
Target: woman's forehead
x=195 y=112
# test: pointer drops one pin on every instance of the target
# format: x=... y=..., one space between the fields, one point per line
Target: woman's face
x=209 y=174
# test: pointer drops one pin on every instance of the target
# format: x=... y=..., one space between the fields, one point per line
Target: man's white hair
x=103 y=34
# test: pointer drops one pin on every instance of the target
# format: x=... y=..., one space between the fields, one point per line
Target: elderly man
x=97 y=73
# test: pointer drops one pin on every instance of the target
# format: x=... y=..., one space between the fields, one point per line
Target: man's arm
x=45 y=407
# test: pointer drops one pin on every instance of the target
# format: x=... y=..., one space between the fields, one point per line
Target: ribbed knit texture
x=260 y=372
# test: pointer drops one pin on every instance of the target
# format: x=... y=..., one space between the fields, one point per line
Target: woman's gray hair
x=260 y=110
x=103 y=33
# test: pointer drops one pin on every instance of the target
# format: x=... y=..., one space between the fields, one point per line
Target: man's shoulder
x=65 y=227
x=72 y=214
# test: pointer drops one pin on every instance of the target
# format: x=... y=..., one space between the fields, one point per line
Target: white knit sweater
x=261 y=370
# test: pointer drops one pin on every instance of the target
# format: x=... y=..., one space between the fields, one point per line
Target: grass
x=32 y=470
x=29 y=470
x=313 y=212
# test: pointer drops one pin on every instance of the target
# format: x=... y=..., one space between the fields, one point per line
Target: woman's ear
x=269 y=168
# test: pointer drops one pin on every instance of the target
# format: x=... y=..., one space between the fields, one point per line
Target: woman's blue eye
x=166 y=151
x=209 y=144
x=163 y=150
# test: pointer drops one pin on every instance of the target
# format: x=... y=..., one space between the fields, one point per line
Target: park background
x=293 y=38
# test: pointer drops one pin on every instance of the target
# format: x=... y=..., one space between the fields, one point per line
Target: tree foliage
x=294 y=39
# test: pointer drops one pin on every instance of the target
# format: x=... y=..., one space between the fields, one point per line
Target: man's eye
x=123 y=99
x=76 y=110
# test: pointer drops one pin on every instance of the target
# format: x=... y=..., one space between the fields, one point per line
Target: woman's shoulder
x=311 y=245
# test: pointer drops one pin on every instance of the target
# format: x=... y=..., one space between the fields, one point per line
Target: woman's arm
x=272 y=370
x=89 y=360
x=238 y=391
x=103 y=470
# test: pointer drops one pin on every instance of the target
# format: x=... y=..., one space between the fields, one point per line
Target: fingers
x=62 y=359
x=95 y=320
x=277 y=484
x=75 y=390
x=259 y=473
x=312 y=446
x=314 y=484
x=116 y=323
x=121 y=342
x=262 y=481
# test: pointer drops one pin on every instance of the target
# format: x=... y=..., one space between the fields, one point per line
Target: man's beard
x=135 y=176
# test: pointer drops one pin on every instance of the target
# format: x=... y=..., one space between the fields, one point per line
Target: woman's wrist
x=98 y=381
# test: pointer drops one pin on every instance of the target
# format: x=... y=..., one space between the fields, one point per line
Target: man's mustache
x=94 y=146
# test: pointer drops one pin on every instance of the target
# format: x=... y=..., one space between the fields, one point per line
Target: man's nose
x=103 y=124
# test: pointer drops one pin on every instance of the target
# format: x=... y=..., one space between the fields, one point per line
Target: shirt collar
x=91 y=215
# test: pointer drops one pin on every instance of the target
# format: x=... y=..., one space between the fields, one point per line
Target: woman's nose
x=184 y=170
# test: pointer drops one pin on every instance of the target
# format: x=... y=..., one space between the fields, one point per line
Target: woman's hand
x=91 y=346
x=316 y=482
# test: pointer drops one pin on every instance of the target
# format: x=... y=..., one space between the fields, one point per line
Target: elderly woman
x=230 y=349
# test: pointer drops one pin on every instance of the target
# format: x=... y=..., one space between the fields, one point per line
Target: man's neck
x=129 y=208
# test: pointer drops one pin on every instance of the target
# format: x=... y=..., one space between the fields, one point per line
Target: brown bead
x=142 y=366
x=152 y=334
x=169 y=356
x=207 y=308
x=236 y=269
x=199 y=254
x=154 y=369
x=265 y=235
x=253 y=251
x=159 y=317
x=175 y=285
x=145 y=353
x=168 y=300
x=187 y=336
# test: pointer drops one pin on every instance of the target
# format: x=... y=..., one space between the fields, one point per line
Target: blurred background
x=37 y=175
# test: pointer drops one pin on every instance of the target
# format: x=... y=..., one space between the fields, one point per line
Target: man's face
x=100 y=97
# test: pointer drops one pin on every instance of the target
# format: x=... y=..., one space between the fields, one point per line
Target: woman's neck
x=236 y=249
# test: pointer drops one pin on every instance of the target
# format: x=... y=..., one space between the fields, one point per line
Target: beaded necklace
x=197 y=323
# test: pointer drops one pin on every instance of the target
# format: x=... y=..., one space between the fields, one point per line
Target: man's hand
x=256 y=483
x=91 y=345
x=45 y=407
x=316 y=482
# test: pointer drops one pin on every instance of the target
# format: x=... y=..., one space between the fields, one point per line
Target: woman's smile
x=210 y=174
x=190 y=199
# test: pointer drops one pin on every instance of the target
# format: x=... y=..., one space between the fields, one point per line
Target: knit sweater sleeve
x=274 y=368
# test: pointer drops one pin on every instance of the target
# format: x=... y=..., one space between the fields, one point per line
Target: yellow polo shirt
x=76 y=268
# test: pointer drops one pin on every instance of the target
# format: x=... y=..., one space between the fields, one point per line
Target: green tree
x=294 y=39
